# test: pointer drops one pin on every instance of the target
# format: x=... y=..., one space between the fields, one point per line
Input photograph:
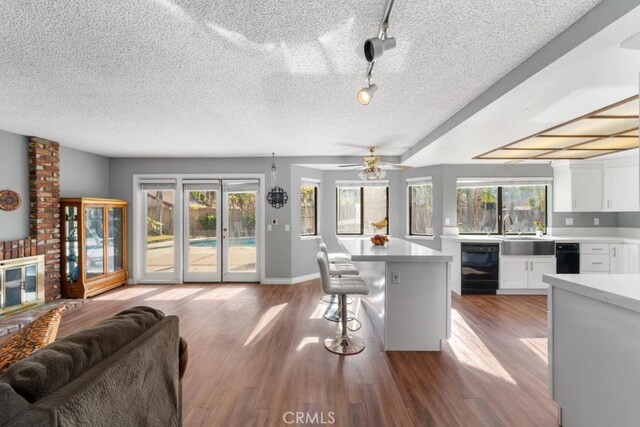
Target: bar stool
x=333 y=257
x=342 y=342
x=339 y=269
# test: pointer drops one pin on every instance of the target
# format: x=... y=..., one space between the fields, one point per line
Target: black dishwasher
x=567 y=258
x=480 y=268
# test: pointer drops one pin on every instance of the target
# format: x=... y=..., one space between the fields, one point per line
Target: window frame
x=500 y=207
x=315 y=211
x=361 y=190
x=417 y=183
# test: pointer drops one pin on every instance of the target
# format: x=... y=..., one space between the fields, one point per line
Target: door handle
x=526 y=265
x=531 y=265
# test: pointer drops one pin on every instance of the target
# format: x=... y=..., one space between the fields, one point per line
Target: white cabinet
x=514 y=272
x=631 y=258
x=616 y=259
x=525 y=272
x=621 y=192
x=577 y=189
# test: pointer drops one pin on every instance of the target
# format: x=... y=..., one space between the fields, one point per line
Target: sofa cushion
x=66 y=359
x=26 y=341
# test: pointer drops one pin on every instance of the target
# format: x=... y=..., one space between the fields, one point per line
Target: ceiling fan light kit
x=373 y=168
x=373 y=50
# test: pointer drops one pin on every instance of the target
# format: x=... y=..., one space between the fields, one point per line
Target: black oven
x=480 y=268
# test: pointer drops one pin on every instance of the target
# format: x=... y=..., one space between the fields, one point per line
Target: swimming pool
x=232 y=241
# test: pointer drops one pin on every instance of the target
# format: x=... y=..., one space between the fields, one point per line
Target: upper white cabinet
x=596 y=186
x=621 y=186
x=577 y=188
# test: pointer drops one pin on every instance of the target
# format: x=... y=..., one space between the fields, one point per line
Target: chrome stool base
x=344 y=344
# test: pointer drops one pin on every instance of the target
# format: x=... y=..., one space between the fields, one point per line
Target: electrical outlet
x=568 y=221
x=395 y=277
x=596 y=221
x=274 y=222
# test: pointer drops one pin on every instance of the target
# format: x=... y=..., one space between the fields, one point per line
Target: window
x=481 y=209
x=358 y=207
x=420 y=209
x=308 y=209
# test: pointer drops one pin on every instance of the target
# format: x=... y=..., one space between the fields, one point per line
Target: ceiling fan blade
x=393 y=166
x=354 y=165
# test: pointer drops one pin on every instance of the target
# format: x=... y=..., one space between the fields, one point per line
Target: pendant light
x=277 y=197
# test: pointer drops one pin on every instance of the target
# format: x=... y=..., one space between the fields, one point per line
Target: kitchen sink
x=527 y=245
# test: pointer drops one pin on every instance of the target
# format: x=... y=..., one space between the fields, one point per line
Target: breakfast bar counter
x=409 y=301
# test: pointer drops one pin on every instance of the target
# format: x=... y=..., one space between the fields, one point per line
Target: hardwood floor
x=256 y=353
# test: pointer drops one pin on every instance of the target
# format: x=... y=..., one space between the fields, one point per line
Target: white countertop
x=573 y=239
x=397 y=250
x=622 y=290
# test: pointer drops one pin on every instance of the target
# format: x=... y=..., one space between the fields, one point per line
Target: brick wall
x=44 y=214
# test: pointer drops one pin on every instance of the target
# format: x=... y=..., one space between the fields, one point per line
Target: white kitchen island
x=409 y=302
x=594 y=348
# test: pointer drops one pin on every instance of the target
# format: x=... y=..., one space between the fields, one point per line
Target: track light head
x=366 y=94
x=375 y=47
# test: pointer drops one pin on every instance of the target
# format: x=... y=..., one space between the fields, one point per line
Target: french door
x=202 y=232
x=240 y=231
x=220 y=231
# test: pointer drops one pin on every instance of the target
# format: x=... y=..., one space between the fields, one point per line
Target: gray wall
x=303 y=250
x=83 y=174
x=629 y=219
x=278 y=242
x=14 y=175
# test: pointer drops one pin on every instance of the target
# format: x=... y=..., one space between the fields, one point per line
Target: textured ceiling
x=593 y=75
x=244 y=77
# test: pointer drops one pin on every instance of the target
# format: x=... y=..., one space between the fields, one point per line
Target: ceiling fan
x=372 y=166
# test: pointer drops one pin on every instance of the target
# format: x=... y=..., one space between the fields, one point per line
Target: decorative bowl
x=379 y=239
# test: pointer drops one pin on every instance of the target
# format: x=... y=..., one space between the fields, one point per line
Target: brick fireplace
x=44 y=214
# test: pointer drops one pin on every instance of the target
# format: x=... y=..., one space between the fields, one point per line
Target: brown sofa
x=124 y=371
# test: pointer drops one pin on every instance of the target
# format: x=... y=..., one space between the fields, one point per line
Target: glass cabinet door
x=30 y=282
x=12 y=287
x=71 y=243
x=115 y=246
x=94 y=241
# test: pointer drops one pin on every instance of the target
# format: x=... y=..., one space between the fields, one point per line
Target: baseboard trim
x=290 y=281
x=521 y=292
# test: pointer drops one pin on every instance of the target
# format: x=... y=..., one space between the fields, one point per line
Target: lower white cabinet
x=631 y=259
x=616 y=259
x=525 y=272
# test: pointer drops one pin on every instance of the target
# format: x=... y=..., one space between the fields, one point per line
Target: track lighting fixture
x=373 y=49
x=366 y=93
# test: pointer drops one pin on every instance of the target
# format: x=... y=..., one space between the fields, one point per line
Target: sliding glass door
x=240 y=231
x=202 y=238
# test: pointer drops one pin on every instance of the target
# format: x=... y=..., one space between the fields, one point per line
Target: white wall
x=14 y=175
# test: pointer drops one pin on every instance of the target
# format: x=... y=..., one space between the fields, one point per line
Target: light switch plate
x=395 y=277
x=287 y=227
x=568 y=221
x=596 y=221
x=269 y=227
x=447 y=221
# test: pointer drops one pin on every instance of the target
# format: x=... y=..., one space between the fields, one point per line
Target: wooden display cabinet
x=93 y=246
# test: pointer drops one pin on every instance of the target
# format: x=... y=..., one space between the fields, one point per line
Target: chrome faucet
x=504 y=225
